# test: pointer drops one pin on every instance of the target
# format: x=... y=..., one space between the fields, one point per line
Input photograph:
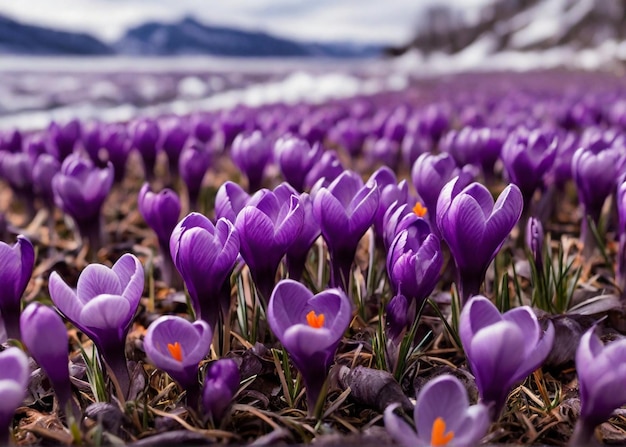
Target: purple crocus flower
x=328 y=167
x=80 y=189
x=193 y=164
x=220 y=385
x=92 y=141
x=146 y=133
x=64 y=137
x=230 y=200
x=205 y=255
x=434 y=120
x=202 y=126
x=562 y=167
x=14 y=377
x=383 y=151
x=103 y=307
x=488 y=146
x=36 y=145
x=161 y=211
x=350 y=134
x=477 y=146
x=460 y=144
x=45 y=336
x=310 y=328
x=399 y=217
x=534 y=241
x=601 y=374
x=44 y=170
x=345 y=210
x=17 y=170
x=175 y=134
x=232 y=123
x=414 y=262
x=116 y=142
x=413 y=145
x=12 y=142
x=443 y=416
x=267 y=226
x=177 y=346
x=475 y=228
x=527 y=156
x=295 y=158
x=429 y=175
x=489 y=338
x=310 y=231
x=596 y=168
x=390 y=193
x=17 y=261
x=396 y=320
x=251 y=152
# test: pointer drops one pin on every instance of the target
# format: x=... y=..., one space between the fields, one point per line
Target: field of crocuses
x=441 y=265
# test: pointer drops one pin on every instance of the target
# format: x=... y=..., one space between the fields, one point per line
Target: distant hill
x=20 y=38
x=192 y=37
x=521 y=26
x=187 y=37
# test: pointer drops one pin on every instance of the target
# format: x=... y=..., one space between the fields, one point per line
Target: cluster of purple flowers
x=439 y=192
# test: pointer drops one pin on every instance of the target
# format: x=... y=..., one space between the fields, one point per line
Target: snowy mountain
x=187 y=37
x=20 y=38
x=519 y=33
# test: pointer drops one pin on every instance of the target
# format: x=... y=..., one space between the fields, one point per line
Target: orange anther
x=176 y=351
x=420 y=209
x=314 y=320
x=438 y=435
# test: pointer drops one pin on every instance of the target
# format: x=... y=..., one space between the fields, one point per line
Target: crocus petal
x=95 y=280
x=345 y=187
x=338 y=312
x=288 y=302
x=526 y=320
x=605 y=395
x=443 y=397
x=287 y=230
x=478 y=313
x=45 y=336
x=64 y=297
x=106 y=311
x=26 y=253
x=399 y=430
x=328 y=210
x=304 y=341
x=14 y=366
x=506 y=212
x=473 y=427
x=464 y=229
x=492 y=362
x=536 y=356
x=11 y=394
x=130 y=272
x=364 y=206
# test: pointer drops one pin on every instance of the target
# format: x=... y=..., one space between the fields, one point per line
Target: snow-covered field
x=34 y=91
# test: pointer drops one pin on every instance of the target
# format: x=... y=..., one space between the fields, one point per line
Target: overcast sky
x=380 y=21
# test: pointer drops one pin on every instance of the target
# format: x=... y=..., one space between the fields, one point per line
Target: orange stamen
x=314 y=320
x=420 y=209
x=438 y=435
x=176 y=351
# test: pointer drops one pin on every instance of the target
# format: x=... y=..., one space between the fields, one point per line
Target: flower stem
x=115 y=361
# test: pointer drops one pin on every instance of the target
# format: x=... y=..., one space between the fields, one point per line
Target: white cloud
x=391 y=21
